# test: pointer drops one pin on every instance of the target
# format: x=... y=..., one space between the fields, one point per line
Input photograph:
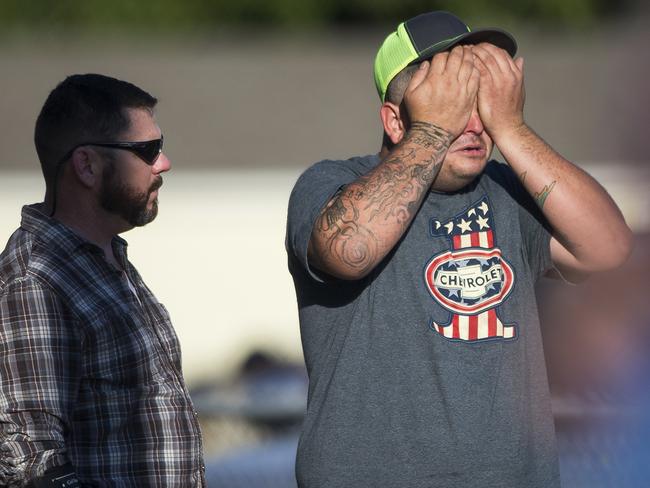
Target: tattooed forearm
x=333 y=214
x=543 y=194
x=367 y=217
x=356 y=247
x=429 y=136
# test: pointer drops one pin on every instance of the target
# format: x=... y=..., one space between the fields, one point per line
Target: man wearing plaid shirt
x=92 y=389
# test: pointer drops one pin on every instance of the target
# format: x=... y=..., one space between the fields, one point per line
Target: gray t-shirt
x=429 y=372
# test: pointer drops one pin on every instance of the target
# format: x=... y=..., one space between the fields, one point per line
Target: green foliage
x=156 y=14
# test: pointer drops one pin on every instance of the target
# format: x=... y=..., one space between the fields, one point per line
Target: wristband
x=59 y=477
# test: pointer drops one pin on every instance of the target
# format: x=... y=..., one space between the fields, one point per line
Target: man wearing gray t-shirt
x=415 y=270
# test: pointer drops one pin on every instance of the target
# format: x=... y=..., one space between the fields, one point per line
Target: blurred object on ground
x=251 y=424
x=267 y=392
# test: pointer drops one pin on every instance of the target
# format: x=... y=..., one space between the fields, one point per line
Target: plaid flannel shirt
x=90 y=367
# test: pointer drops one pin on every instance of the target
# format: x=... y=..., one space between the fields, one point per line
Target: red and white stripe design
x=485 y=325
x=483 y=239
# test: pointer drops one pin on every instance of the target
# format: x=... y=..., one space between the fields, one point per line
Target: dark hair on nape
x=397 y=86
x=84 y=108
x=395 y=94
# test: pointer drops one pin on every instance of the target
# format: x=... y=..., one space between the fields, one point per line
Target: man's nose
x=475 y=124
x=162 y=164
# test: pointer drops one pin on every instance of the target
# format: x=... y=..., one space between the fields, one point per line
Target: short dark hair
x=397 y=86
x=395 y=93
x=82 y=108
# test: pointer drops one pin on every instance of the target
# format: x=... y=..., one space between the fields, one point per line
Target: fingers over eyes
x=495 y=58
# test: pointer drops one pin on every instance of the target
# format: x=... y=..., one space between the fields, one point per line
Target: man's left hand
x=579 y=208
x=501 y=90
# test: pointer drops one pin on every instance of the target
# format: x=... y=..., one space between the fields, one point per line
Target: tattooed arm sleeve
x=589 y=231
x=364 y=221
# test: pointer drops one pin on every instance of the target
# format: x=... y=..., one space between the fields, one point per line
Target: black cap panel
x=429 y=29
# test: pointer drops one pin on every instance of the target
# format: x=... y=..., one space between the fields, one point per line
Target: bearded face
x=118 y=197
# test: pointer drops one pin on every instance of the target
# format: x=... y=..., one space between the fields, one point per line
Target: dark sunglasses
x=148 y=151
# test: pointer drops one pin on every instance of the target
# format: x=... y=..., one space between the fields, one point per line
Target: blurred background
x=251 y=93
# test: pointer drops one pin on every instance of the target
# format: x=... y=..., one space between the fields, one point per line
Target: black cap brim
x=498 y=37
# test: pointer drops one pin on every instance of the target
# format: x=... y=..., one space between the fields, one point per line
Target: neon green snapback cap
x=423 y=36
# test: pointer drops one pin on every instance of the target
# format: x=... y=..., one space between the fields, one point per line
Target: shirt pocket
x=121 y=350
x=167 y=335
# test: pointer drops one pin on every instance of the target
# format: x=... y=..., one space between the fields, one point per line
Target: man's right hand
x=361 y=224
x=443 y=92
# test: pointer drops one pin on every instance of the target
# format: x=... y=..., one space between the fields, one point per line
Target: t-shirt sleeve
x=535 y=229
x=536 y=236
x=313 y=190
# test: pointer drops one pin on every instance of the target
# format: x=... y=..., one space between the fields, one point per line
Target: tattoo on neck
x=544 y=193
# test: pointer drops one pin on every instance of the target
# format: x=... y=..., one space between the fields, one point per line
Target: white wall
x=214 y=256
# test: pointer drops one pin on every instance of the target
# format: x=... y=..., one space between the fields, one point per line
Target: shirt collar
x=56 y=235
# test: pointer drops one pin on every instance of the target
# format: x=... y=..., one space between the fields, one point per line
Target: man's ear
x=85 y=166
x=391 y=119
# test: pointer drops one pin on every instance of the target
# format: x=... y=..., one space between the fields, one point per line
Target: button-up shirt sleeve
x=39 y=376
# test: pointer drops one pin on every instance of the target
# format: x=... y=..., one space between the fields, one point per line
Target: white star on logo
x=449 y=226
x=471 y=212
x=483 y=223
x=465 y=226
x=483 y=207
